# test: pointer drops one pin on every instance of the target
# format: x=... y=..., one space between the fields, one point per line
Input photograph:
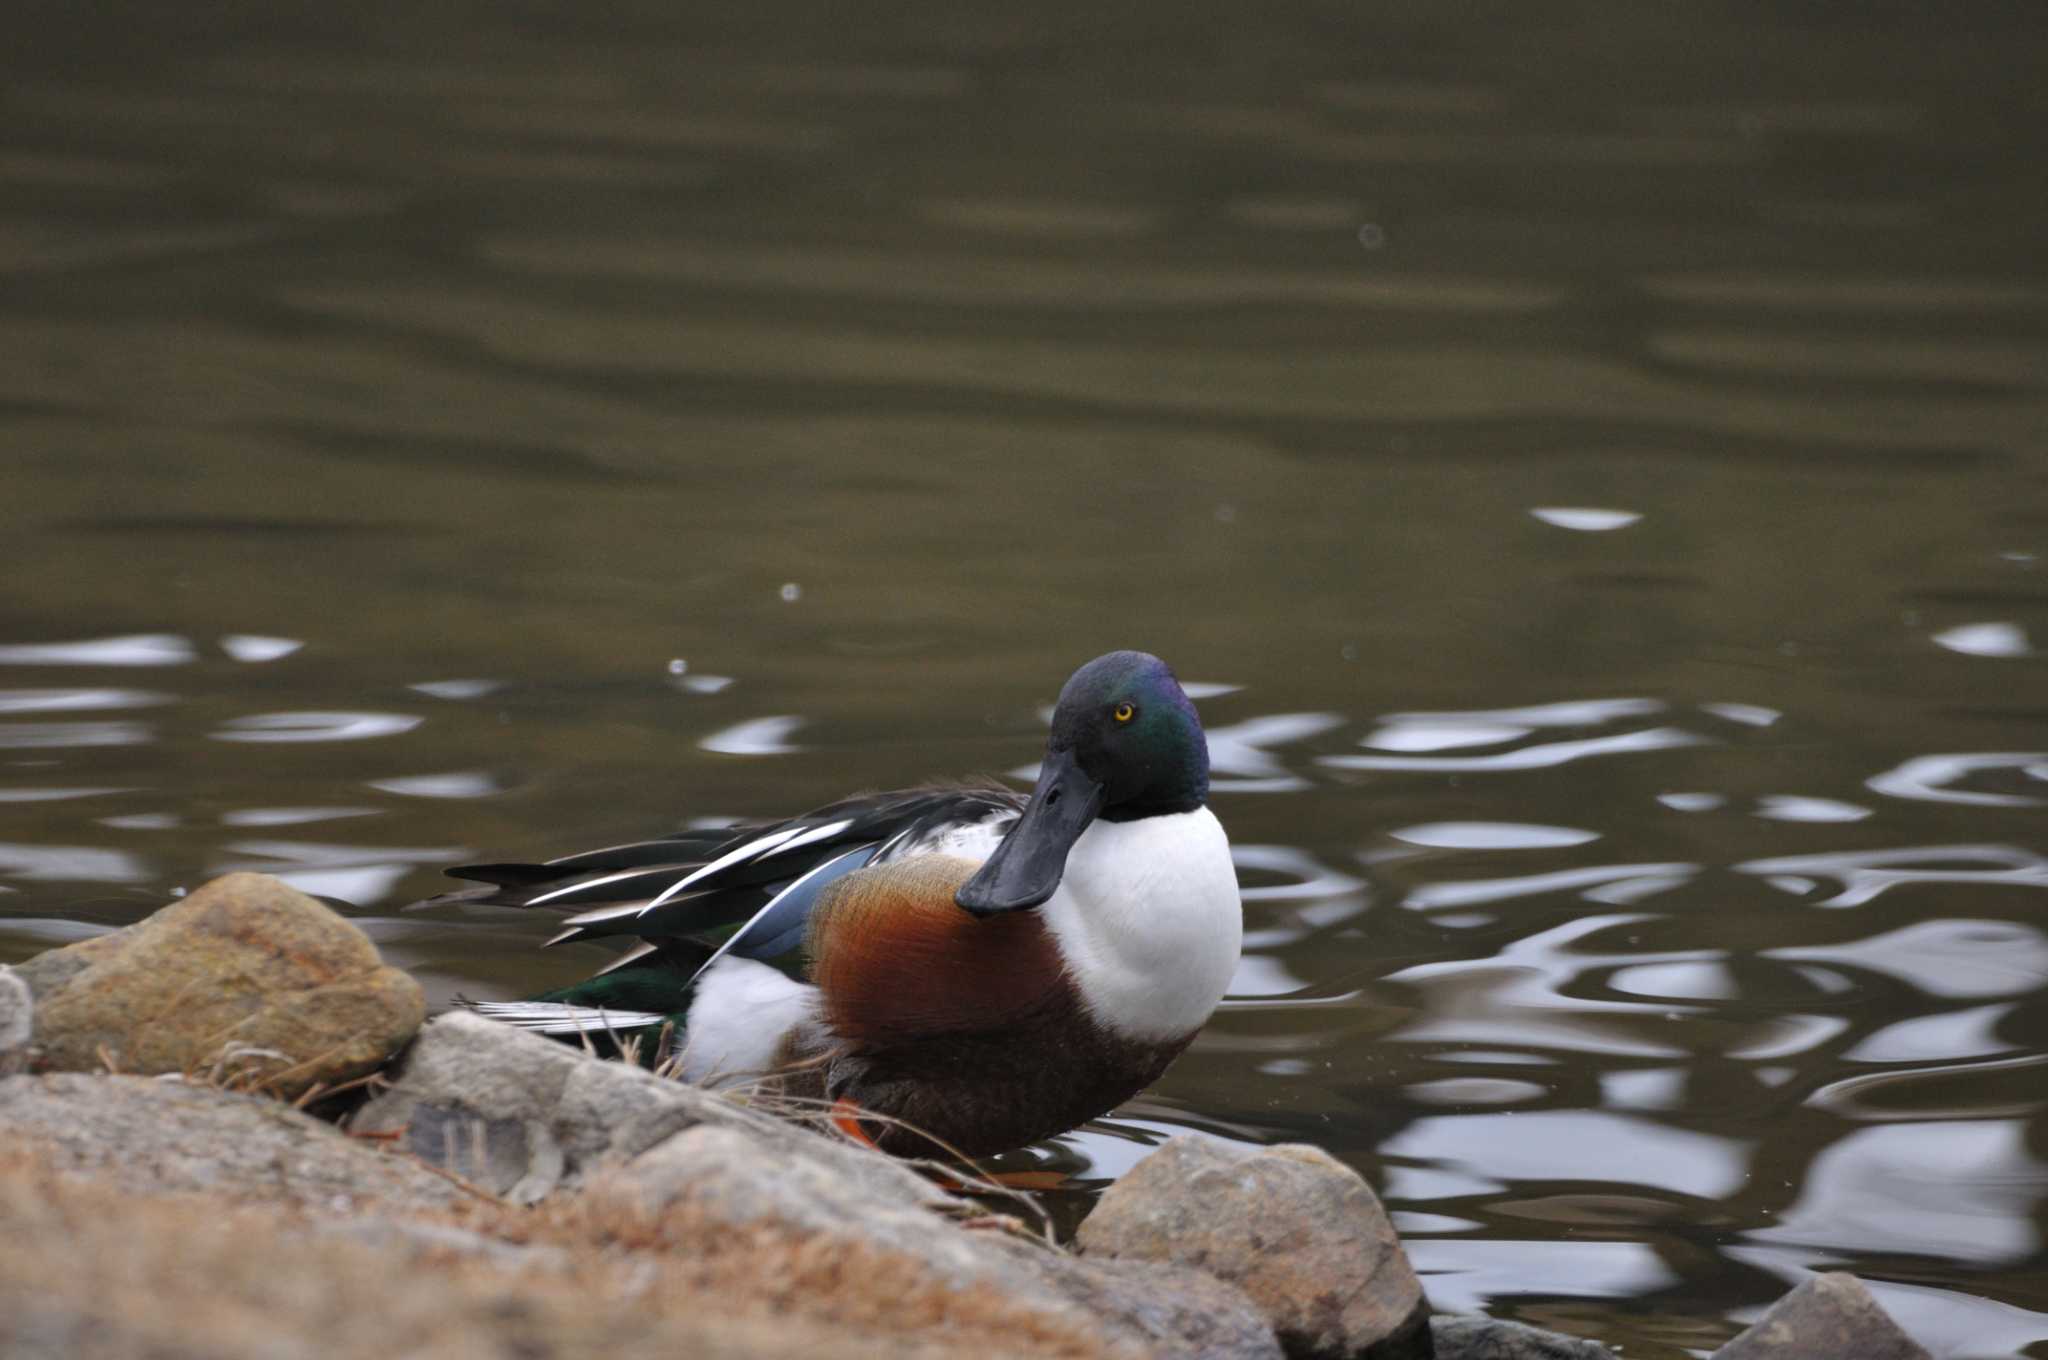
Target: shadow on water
x=1594 y=460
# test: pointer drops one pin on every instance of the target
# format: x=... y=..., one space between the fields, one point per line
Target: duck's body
x=983 y=968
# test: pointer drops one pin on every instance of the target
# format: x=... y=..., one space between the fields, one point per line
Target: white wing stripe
x=816 y=833
x=605 y=913
x=581 y=884
x=753 y=848
x=741 y=933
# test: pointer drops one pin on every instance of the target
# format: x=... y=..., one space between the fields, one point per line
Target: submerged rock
x=146 y=1133
x=1830 y=1317
x=247 y=979
x=1472 y=1337
x=17 y=1011
x=1300 y=1232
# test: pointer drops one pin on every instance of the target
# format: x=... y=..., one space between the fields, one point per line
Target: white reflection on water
x=1784 y=1036
x=455 y=784
x=1413 y=736
x=1578 y=1145
x=1953 y=1188
x=354 y=873
x=55 y=736
x=1238 y=752
x=1926 y=778
x=142 y=821
x=80 y=863
x=54 y=795
x=1792 y=807
x=457 y=689
x=1464 y=1275
x=1985 y=639
x=1643 y=1088
x=1475 y=1091
x=1749 y=715
x=135 y=649
x=255 y=648
x=1691 y=980
x=1650 y=878
x=291 y=816
x=1864 y=874
x=1568 y=713
x=1492 y=835
x=1539 y=757
x=1951 y=958
x=315 y=726
x=76 y=700
x=1967 y=1033
x=1585 y=519
x=1522 y=992
x=755 y=737
x=1312 y=878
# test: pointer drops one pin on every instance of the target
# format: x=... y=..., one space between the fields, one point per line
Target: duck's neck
x=1148 y=922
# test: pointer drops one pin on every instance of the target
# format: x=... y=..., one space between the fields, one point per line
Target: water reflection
x=314 y=727
x=1863 y=875
x=755 y=737
x=140 y=649
x=1927 y=779
x=585 y=350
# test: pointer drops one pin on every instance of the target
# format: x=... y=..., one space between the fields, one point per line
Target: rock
x=740 y=1182
x=247 y=978
x=147 y=1133
x=1472 y=1337
x=1301 y=1233
x=1176 y=1311
x=17 y=1011
x=520 y=1115
x=416 y=1239
x=1830 y=1317
x=523 y=1116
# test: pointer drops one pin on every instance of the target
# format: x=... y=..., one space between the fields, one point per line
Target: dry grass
x=87 y=1270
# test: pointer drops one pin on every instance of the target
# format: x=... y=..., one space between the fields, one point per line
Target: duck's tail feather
x=563 y=1018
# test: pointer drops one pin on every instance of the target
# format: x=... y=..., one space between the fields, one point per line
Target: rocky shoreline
x=231 y=1131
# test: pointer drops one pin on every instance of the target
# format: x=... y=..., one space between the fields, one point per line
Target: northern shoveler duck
x=986 y=968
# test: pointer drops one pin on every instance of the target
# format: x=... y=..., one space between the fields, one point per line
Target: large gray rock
x=247 y=978
x=152 y=1134
x=1830 y=1317
x=520 y=1116
x=740 y=1181
x=1301 y=1233
x=524 y=1116
x=17 y=1015
x=1464 y=1336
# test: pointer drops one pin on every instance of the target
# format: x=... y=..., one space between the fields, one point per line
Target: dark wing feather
x=762 y=877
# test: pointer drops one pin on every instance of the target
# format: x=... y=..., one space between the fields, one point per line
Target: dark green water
x=433 y=432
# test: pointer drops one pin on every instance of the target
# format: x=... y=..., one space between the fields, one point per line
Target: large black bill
x=1026 y=867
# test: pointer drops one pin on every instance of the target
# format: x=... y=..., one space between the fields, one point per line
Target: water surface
x=1592 y=464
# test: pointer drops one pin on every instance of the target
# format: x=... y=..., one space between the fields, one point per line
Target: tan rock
x=152 y=1134
x=247 y=979
x=1298 y=1231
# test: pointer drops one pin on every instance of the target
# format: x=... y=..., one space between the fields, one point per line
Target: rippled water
x=1594 y=465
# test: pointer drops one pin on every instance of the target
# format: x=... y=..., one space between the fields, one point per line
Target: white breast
x=1148 y=919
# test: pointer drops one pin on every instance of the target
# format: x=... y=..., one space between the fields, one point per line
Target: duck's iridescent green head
x=1125 y=744
x=1133 y=730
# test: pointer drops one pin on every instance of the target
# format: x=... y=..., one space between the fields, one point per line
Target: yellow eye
x=1122 y=712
